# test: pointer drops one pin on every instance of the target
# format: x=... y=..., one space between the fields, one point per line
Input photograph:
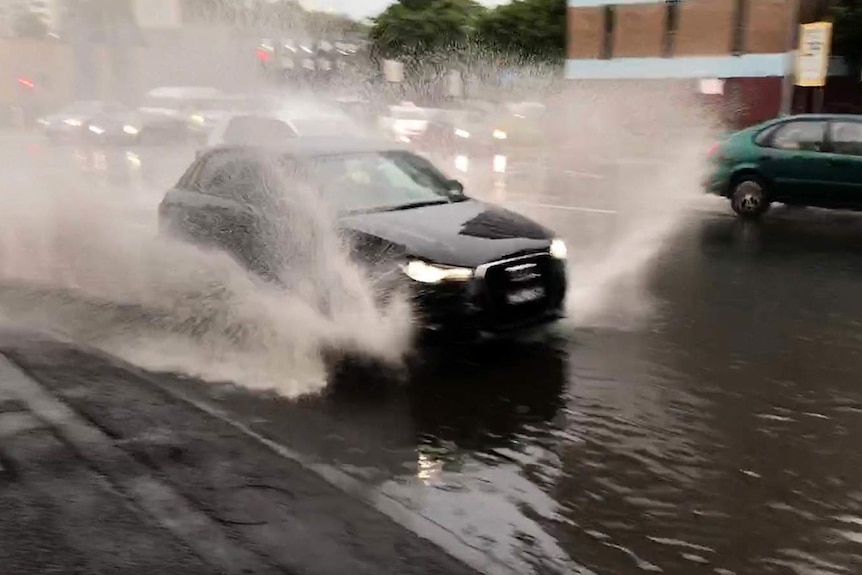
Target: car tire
x=749 y=197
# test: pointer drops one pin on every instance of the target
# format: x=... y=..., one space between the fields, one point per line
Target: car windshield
x=378 y=181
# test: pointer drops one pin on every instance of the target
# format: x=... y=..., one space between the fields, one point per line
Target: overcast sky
x=365 y=8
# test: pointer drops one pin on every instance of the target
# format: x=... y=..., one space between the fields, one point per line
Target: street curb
x=201 y=533
x=409 y=519
x=388 y=506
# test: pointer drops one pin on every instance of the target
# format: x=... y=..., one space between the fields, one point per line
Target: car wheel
x=749 y=197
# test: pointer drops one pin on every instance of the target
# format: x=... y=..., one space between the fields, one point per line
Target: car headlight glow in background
x=559 y=250
x=430 y=274
x=130 y=130
x=97 y=130
x=73 y=122
x=500 y=134
x=462 y=133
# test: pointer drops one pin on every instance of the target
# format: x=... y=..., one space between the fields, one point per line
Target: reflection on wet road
x=717 y=438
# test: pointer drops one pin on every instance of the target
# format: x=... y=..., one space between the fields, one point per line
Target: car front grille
x=520 y=289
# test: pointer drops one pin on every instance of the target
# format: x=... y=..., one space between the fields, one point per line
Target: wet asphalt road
x=717 y=435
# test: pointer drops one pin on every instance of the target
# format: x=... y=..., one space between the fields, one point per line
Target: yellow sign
x=812 y=58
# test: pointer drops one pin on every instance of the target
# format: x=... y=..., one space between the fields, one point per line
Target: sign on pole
x=812 y=58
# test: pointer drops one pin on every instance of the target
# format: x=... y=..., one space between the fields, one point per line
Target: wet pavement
x=715 y=436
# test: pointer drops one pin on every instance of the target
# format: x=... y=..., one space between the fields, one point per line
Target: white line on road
x=587 y=175
x=567 y=208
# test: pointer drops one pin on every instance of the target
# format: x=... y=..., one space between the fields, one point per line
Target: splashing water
x=655 y=148
x=77 y=262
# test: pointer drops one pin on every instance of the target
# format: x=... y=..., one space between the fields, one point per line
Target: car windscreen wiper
x=412 y=205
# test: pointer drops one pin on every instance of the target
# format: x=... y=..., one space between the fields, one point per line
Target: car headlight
x=130 y=130
x=431 y=274
x=43 y=122
x=462 y=133
x=72 y=122
x=97 y=130
x=198 y=119
x=500 y=134
x=559 y=250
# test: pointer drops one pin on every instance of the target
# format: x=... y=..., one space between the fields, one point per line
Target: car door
x=794 y=160
x=845 y=158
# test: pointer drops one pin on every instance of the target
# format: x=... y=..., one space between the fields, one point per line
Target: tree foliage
x=847 y=33
x=531 y=29
x=411 y=29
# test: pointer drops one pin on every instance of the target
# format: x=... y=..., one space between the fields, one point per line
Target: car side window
x=231 y=176
x=846 y=138
x=801 y=135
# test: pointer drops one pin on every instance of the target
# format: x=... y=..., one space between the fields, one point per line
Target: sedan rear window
x=846 y=138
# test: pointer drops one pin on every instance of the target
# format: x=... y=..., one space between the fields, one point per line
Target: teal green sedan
x=806 y=160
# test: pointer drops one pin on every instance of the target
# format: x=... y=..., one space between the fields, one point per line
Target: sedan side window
x=846 y=138
x=231 y=176
x=803 y=136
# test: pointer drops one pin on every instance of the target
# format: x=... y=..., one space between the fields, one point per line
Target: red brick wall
x=639 y=30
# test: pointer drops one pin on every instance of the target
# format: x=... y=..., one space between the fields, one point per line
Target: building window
x=671 y=25
x=608 y=38
x=740 y=19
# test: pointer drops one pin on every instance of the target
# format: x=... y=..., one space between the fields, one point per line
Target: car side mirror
x=455 y=186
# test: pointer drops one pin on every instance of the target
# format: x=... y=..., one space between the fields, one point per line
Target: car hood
x=467 y=233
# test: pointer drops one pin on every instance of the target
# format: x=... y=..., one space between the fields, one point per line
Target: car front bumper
x=480 y=308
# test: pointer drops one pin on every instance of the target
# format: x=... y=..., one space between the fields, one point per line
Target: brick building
x=746 y=43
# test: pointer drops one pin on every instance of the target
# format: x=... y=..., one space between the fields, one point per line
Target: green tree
x=531 y=29
x=412 y=29
x=29 y=25
x=847 y=33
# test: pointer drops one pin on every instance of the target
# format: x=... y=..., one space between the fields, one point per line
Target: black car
x=473 y=268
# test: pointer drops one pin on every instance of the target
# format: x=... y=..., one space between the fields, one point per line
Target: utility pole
x=788 y=83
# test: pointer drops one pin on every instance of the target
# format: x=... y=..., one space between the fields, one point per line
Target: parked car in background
x=72 y=123
x=498 y=129
x=162 y=118
x=207 y=115
x=805 y=160
x=406 y=123
x=274 y=128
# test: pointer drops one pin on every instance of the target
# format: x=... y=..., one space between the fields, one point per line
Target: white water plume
x=653 y=148
x=76 y=261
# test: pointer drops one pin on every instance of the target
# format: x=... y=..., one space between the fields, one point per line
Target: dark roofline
x=315 y=146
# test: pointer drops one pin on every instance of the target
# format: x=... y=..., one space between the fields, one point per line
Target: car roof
x=856 y=117
x=310 y=146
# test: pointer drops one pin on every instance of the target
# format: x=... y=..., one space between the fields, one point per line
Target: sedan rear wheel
x=749 y=197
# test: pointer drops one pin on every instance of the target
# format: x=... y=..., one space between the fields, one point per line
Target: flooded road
x=715 y=437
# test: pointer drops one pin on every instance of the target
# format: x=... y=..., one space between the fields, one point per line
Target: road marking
x=157 y=498
x=587 y=175
x=567 y=208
